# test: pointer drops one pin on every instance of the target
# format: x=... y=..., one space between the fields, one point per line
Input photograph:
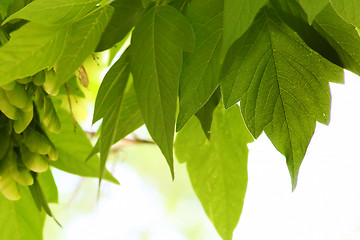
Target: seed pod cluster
x=24 y=145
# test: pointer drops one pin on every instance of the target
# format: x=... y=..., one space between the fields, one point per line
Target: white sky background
x=324 y=206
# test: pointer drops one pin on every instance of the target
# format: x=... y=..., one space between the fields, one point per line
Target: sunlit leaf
x=84 y=37
x=217 y=168
x=349 y=10
x=31 y=49
x=62 y=11
x=21 y=219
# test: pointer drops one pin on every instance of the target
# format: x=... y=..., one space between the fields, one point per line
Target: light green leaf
x=205 y=114
x=282 y=86
x=72 y=159
x=342 y=36
x=48 y=185
x=111 y=95
x=126 y=14
x=31 y=49
x=349 y=10
x=84 y=37
x=130 y=118
x=54 y=12
x=156 y=60
x=313 y=8
x=20 y=219
x=217 y=168
x=200 y=75
x=238 y=16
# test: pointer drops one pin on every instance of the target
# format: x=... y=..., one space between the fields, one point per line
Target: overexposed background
x=148 y=205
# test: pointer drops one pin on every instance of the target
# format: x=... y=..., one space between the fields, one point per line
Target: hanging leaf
x=72 y=159
x=238 y=16
x=200 y=74
x=282 y=86
x=156 y=60
x=111 y=98
x=217 y=168
x=130 y=118
x=126 y=14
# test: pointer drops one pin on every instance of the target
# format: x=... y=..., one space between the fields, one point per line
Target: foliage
x=187 y=59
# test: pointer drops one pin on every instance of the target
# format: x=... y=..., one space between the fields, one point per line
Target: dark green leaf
x=200 y=75
x=111 y=95
x=112 y=88
x=130 y=118
x=55 y=12
x=342 y=36
x=205 y=114
x=294 y=16
x=238 y=16
x=282 y=86
x=84 y=37
x=156 y=60
x=4 y=4
x=126 y=15
x=349 y=10
x=217 y=168
x=72 y=159
x=31 y=49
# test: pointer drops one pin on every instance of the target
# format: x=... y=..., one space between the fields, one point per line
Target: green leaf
x=205 y=114
x=47 y=183
x=217 y=168
x=294 y=16
x=130 y=118
x=20 y=219
x=72 y=159
x=282 y=86
x=31 y=49
x=84 y=37
x=313 y=8
x=349 y=10
x=4 y=4
x=200 y=75
x=238 y=16
x=111 y=95
x=156 y=60
x=54 y=12
x=112 y=88
x=126 y=14
x=342 y=36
